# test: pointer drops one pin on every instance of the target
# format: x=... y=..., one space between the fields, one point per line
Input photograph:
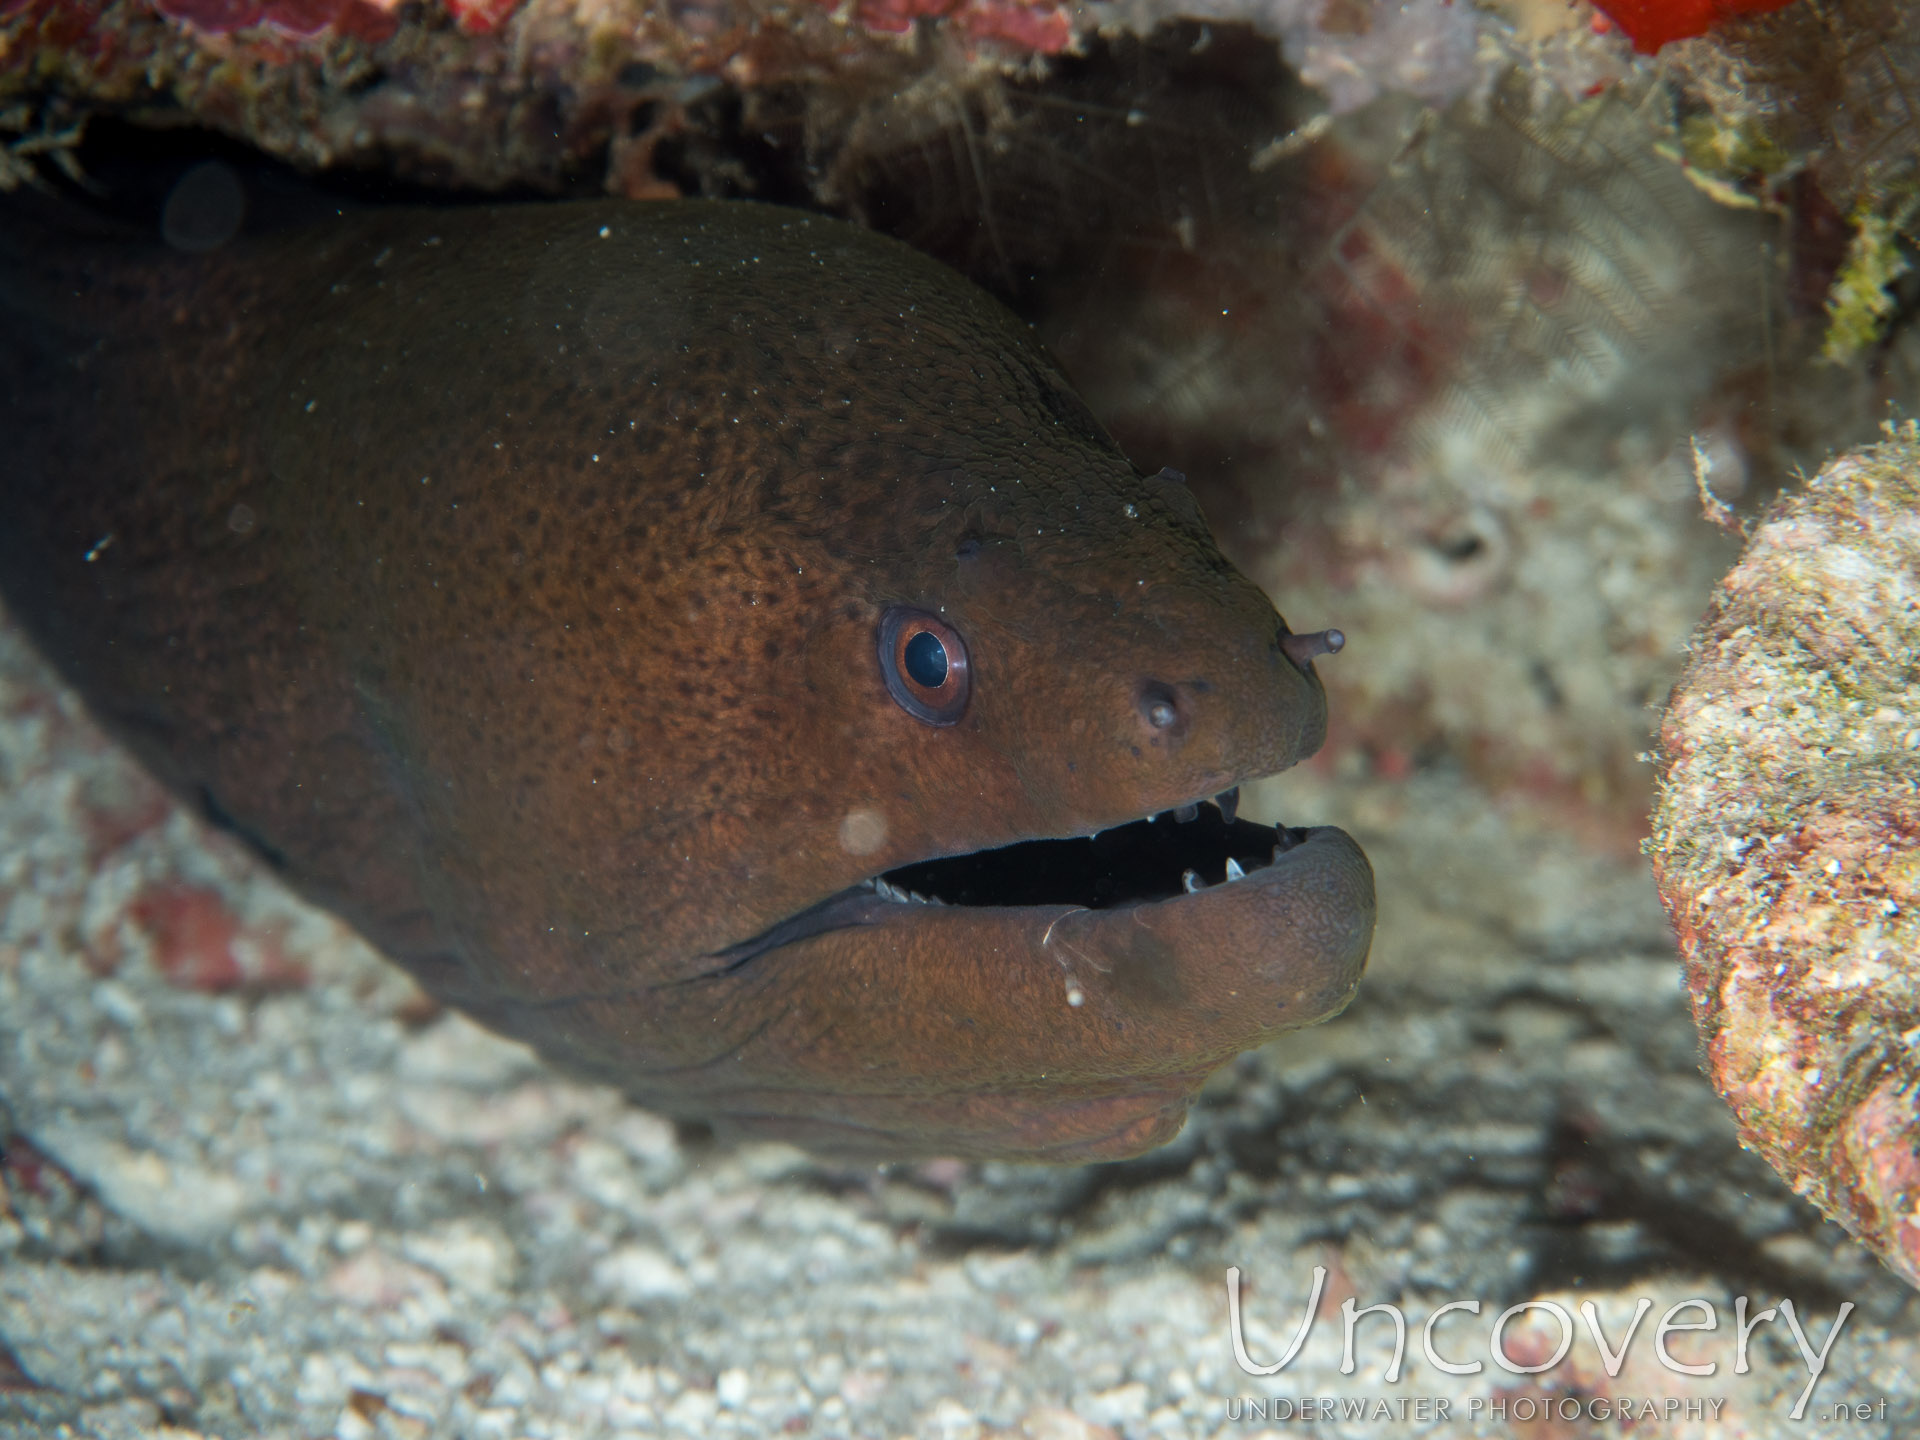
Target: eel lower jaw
x=1167 y=856
x=1051 y=1030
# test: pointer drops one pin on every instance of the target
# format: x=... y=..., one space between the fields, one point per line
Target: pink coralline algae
x=1043 y=28
x=199 y=944
x=294 y=19
x=482 y=17
x=100 y=29
x=1039 y=26
x=1786 y=843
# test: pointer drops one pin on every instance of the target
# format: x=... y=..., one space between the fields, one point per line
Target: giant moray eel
x=709 y=642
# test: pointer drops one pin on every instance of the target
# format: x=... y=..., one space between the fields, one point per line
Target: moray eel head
x=1031 y=919
x=711 y=643
x=967 y=889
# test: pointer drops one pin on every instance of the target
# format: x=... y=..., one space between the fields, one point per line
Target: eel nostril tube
x=1158 y=704
x=1301 y=649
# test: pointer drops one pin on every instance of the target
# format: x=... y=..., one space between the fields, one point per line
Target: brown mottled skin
x=513 y=587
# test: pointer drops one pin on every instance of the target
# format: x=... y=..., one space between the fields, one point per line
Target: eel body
x=623 y=614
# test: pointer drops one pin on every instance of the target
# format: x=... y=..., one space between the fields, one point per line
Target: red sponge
x=1652 y=23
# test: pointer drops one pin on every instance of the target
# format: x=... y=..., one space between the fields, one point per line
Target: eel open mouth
x=1159 y=857
x=1178 y=851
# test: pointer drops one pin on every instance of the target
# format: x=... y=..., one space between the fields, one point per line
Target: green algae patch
x=1861 y=302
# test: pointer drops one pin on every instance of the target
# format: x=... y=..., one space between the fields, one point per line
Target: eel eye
x=924 y=662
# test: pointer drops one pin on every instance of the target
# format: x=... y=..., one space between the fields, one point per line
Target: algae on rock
x=1786 y=842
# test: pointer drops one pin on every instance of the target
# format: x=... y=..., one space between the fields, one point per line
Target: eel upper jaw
x=1155 y=858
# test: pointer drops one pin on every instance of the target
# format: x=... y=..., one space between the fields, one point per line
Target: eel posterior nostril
x=1303 y=649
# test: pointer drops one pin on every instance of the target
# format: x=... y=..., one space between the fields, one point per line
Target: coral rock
x=1787 y=842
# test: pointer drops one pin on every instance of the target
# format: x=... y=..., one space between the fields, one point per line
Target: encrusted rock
x=1786 y=842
